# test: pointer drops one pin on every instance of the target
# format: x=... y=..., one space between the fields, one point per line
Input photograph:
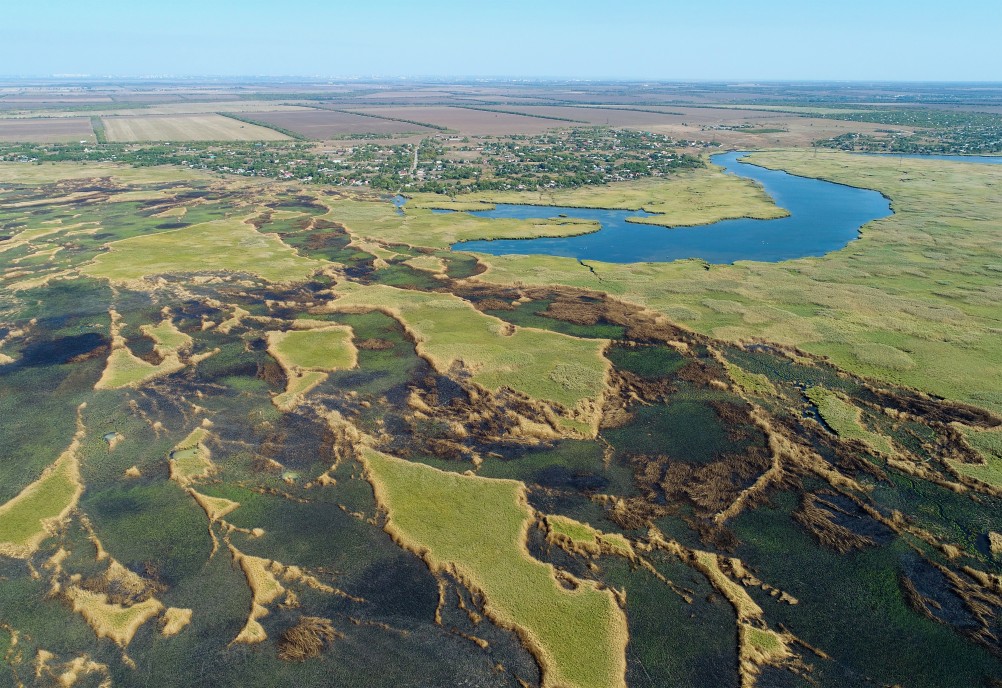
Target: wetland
x=823 y=217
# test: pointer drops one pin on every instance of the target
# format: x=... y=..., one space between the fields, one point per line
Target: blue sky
x=622 y=39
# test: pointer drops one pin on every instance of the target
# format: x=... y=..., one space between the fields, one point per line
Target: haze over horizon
x=639 y=40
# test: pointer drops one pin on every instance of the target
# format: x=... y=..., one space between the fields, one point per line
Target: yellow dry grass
x=215 y=508
x=125 y=581
x=298 y=385
x=174 y=621
x=265 y=589
x=191 y=460
x=125 y=369
x=67 y=674
x=233 y=321
x=167 y=338
x=112 y=620
x=759 y=647
x=583 y=538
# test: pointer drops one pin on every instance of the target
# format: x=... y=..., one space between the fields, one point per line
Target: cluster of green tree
x=949 y=142
x=929 y=131
x=97 y=124
x=926 y=118
x=564 y=160
x=246 y=158
x=578 y=157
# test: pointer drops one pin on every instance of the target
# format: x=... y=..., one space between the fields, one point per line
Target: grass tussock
x=753 y=383
x=265 y=589
x=67 y=674
x=167 y=338
x=307 y=639
x=110 y=620
x=325 y=349
x=125 y=369
x=215 y=507
x=174 y=620
x=987 y=443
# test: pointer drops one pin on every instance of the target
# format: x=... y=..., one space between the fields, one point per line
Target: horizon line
x=237 y=78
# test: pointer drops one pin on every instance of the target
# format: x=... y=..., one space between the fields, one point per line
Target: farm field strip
x=46 y=130
x=210 y=127
x=197 y=108
x=597 y=116
x=467 y=121
x=323 y=124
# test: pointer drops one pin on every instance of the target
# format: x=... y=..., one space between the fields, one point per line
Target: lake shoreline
x=820 y=217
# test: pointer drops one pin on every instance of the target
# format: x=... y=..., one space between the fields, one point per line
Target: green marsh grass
x=477 y=528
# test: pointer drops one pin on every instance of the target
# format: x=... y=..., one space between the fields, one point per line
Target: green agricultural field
x=577 y=636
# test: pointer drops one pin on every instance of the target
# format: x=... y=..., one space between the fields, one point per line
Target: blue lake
x=824 y=217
